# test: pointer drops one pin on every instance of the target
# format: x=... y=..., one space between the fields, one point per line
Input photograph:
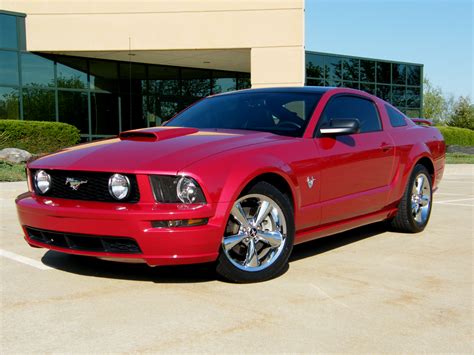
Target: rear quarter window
x=397 y=119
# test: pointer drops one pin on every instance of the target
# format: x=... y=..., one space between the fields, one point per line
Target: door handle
x=386 y=147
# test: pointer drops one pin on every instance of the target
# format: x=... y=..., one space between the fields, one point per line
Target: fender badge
x=310 y=181
x=74 y=183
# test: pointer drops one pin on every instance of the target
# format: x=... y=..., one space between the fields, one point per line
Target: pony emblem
x=75 y=183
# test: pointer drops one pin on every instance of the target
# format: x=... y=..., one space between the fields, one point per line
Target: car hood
x=163 y=149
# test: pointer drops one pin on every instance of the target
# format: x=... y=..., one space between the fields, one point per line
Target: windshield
x=284 y=113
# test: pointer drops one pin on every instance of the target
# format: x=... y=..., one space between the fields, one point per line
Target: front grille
x=95 y=189
x=84 y=242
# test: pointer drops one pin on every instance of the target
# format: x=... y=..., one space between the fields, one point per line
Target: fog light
x=179 y=223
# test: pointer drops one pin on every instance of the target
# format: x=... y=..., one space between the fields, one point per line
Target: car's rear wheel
x=414 y=209
x=259 y=235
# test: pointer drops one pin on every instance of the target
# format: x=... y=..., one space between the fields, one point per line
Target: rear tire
x=414 y=209
x=259 y=236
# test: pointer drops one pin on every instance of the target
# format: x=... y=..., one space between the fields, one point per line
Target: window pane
x=396 y=118
x=351 y=69
x=196 y=82
x=73 y=109
x=351 y=84
x=9 y=68
x=38 y=105
x=333 y=68
x=163 y=80
x=383 y=72
x=314 y=66
x=8 y=33
x=160 y=111
x=367 y=71
x=399 y=74
x=413 y=75
x=315 y=82
x=398 y=96
x=133 y=111
x=104 y=113
x=370 y=88
x=168 y=109
x=223 y=82
x=71 y=73
x=103 y=75
x=243 y=82
x=333 y=83
x=9 y=105
x=384 y=92
x=353 y=107
x=413 y=97
x=133 y=78
x=36 y=70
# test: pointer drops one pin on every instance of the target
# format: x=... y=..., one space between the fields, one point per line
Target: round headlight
x=188 y=190
x=119 y=186
x=42 y=181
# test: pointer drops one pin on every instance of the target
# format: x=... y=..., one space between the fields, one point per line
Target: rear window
x=397 y=119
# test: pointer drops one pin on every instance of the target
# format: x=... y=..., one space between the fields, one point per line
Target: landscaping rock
x=14 y=155
x=460 y=149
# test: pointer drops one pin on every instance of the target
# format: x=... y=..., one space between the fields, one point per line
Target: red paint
x=360 y=179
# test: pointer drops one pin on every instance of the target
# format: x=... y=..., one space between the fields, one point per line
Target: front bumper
x=157 y=246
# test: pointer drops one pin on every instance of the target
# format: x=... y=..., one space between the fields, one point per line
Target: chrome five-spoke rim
x=255 y=234
x=421 y=199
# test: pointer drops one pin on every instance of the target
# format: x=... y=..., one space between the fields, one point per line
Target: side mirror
x=340 y=126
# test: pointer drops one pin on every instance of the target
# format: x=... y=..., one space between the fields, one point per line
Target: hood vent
x=155 y=134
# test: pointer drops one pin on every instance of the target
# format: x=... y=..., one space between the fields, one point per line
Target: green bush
x=457 y=136
x=37 y=137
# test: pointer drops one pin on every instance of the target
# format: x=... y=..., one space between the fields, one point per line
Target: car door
x=356 y=169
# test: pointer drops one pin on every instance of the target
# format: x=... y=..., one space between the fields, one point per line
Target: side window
x=397 y=119
x=352 y=107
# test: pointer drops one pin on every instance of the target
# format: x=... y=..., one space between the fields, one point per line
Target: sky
x=436 y=33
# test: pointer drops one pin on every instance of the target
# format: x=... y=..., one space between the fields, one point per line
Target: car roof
x=295 y=89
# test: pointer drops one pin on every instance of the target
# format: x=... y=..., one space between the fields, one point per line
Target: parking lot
x=366 y=290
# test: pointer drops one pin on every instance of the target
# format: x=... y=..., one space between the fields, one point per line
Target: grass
x=12 y=171
x=459 y=158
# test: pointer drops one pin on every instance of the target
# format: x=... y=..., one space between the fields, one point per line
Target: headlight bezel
x=36 y=182
x=121 y=197
x=166 y=189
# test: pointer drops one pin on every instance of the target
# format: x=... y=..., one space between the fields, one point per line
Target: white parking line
x=24 y=260
x=456 y=204
x=457 y=200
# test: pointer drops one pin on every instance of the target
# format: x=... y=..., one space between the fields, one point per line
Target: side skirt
x=342 y=226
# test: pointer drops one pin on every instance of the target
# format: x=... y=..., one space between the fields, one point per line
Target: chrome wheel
x=421 y=198
x=255 y=234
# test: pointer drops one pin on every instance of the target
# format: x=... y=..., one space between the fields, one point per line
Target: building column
x=277 y=66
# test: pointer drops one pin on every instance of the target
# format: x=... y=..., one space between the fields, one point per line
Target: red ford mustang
x=237 y=178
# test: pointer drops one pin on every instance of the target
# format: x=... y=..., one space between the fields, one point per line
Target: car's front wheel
x=259 y=235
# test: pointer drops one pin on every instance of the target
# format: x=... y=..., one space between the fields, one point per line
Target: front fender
x=223 y=177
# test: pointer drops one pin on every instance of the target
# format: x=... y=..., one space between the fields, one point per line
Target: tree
x=434 y=102
x=463 y=115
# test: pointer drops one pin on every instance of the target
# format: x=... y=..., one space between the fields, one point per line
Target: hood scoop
x=156 y=134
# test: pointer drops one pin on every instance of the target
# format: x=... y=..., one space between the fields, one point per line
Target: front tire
x=259 y=236
x=414 y=209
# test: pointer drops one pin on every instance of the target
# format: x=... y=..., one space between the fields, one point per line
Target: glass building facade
x=399 y=83
x=105 y=97
x=100 y=97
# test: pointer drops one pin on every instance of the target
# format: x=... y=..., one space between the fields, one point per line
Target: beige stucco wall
x=272 y=30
